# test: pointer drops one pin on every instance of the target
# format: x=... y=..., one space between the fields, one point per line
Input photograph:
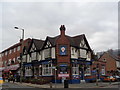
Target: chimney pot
x=62 y=27
x=21 y=40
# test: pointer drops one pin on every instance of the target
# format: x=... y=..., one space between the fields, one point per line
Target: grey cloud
x=44 y=18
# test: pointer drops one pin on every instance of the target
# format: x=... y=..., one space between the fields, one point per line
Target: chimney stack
x=62 y=30
x=21 y=40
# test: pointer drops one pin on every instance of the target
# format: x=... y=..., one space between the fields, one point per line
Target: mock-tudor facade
x=61 y=57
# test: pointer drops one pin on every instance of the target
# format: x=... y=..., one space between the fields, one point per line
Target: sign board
x=63 y=75
x=63 y=49
x=12 y=67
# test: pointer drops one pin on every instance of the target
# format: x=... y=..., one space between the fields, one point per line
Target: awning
x=11 y=67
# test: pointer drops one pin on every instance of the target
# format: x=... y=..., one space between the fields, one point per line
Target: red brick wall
x=62 y=40
x=110 y=62
x=16 y=53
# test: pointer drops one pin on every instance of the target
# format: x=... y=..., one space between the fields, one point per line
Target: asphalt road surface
x=15 y=86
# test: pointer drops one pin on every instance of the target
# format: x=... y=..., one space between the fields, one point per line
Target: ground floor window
x=28 y=71
x=75 y=69
x=36 y=69
x=87 y=71
x=47 y=69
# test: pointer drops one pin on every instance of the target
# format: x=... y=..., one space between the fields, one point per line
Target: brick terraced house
x=61 y=57
x=112 y=66
x=10 y=59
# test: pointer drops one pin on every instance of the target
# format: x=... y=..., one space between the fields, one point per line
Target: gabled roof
x=52 y=40
x=114 y=56
x=74 y=41
x=26 y=42
x=38 y=44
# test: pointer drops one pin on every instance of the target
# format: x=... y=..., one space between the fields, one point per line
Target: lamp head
x=16 y=27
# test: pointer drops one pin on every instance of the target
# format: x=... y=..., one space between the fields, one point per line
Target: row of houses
x=56 y=58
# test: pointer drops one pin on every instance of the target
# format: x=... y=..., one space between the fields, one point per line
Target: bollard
x=50 y=84
x=65 y=83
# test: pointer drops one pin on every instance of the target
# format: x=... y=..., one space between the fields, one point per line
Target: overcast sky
x=97 y=20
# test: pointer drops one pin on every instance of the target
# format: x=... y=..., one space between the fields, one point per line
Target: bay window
x=47 y=69
x=87 y=71
x=83 y=53
x=28 y=71
x=75 y=69
x=33 y=55
x=47 y=53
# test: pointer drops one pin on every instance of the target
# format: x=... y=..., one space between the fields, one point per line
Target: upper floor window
x=24 y=58
x=72 y=51
x=83 y=53
x=4 y=63
x=18 y=48
x=33 y=56
x=14 y=49
x=10 y=51
x=47 y=53
x=14 y=60
x=9 y=61
x=2 y=54
x=6 y=53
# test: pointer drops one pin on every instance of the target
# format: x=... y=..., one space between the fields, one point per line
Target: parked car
x=109 y=78
x=117 y=78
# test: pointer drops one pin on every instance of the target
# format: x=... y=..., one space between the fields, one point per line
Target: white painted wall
x=74 y=53
x=40 y=56
x=89 y=56
x=43 y=57
x=53 y=52
x=83 y=53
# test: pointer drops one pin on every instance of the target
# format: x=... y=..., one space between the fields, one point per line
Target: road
x=14 y=85
x=27 y=86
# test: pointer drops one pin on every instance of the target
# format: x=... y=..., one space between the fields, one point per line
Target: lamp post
x=55 y=76
x=22 y=52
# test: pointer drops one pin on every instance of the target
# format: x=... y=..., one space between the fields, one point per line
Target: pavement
x=81 y=85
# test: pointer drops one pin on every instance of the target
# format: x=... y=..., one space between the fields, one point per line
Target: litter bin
x=65 y=83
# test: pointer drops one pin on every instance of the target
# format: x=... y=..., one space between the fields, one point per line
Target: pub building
x=58 y=58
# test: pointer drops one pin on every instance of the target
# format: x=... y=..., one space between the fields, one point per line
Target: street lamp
x=22 y=51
